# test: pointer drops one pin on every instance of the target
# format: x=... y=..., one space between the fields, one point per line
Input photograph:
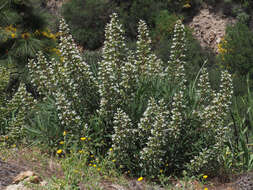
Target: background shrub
x=87 y=19
x=237 y=54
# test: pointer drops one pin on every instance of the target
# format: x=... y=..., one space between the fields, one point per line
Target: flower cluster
x=146 y=62
x=165 y=124
x=175 y=68
x=121 y=70
x=110 y=82
x=20 y=105
x=213 y=118
x=154 y=125
x=4 y=78
x=122 y=150
x=64 y=79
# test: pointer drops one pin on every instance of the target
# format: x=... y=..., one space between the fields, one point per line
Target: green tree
x=237 y=49
x=23 y=31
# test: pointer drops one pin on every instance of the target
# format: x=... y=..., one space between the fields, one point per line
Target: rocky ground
x=13 y=174
x=7 y=173
x=209 y=27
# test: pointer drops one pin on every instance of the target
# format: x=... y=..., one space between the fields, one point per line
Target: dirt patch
x=15 y=161
x=8 y=172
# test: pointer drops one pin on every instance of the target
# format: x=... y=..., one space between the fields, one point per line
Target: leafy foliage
x=163 y=124
x=87 y=20
x=238 y=49
x=143 y=110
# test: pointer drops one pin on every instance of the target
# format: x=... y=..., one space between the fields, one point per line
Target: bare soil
x=15 y=161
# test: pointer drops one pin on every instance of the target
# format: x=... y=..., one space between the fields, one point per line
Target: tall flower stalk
x=65 y=79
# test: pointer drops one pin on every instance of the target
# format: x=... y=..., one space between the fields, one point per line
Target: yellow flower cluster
x=10 y=30
x=187 y=4
x=221 y=49
x=47 y=33
x=59 y=151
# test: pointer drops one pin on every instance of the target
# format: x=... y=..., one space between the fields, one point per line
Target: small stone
x=20 y=177
x=33 y=179
x=16 y=187
x=43 y=183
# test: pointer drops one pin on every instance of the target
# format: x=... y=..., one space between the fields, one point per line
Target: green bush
x=4 y=79
x=162 y=36
x=43 y=126
x=87 y=20
x=176 y=116
x=238 y=46
x=16 y=111
x=236 y=54
x=147 y=117
x=65 y=80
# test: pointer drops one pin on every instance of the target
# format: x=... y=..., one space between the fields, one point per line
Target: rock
x=7 y=173
x=27 y=176
x=54 y=6
x=17 y=187
x=209 y=28
x=43 y=183
x=136 y=185
x=245 y=182
x=33 y=179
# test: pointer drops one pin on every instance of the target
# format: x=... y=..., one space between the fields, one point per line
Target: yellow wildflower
x=98 y=169
x=81 y=151
x=206 y=188
x=44 y=33
x=94 y=165
x=59 y=151
x=13 y=35
x=205 y=176
x=110 y=149
x=12 y=28
x=83 y=138
x=187 y=5
x=140 y=179
x=113 y=160
x=61 y=142
x=64 y=133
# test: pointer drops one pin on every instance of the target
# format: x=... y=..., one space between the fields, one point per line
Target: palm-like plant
x=22 y=33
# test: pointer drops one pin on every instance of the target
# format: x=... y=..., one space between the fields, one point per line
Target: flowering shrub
x=4 y=77
x=15 y=112
x=172 y=132
x=65 y=80
x=149 y=117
